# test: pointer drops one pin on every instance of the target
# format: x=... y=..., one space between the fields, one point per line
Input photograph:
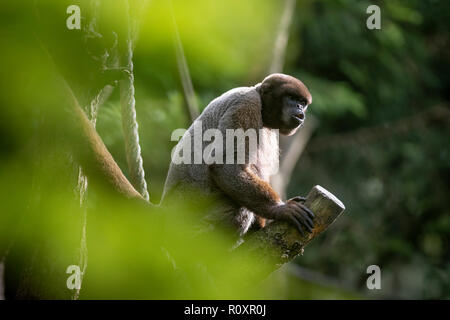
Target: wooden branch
x=93 y=155
x=282 y=37
x=280 y=242
x=190 y=101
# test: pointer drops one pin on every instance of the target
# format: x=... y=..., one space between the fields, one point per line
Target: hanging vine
x=128 y=107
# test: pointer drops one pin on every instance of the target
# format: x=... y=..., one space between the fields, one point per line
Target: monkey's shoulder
x=236 y=108
x=234 y=99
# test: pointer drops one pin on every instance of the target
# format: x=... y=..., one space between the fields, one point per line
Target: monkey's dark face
x=292 y=113
x=285 y=100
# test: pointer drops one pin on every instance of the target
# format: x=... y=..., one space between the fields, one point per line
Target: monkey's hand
x=295 y=212
x=298 y=199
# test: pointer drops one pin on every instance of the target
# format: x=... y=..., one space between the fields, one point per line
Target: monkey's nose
x=300 y=114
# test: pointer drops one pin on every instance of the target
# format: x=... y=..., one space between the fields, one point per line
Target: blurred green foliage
x=395 y=190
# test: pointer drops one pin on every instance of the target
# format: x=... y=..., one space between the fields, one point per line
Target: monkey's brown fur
x=242 y=192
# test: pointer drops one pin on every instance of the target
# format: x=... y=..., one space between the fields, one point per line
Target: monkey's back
x=197 y=175
x=187 y=179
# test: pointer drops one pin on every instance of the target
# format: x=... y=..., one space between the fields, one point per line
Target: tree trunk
x=280 y=242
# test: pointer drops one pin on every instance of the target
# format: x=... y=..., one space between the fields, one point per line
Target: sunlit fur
x=240 y=191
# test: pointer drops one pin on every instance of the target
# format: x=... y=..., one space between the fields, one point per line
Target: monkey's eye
x=293 y=97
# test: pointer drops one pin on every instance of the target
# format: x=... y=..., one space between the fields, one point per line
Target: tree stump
x=280 y=242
